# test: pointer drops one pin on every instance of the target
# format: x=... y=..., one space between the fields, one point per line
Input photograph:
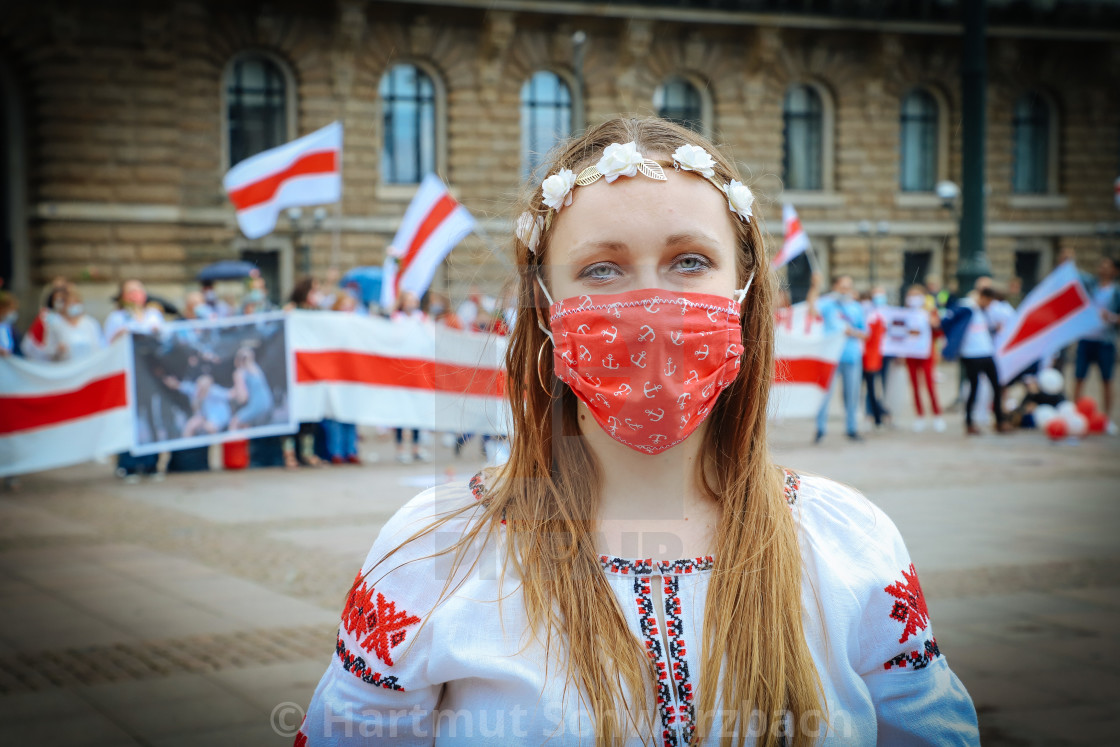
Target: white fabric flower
x=557 y=189
x=694 y=158
x=619 y=160
x=528 y=230
x=740 y=199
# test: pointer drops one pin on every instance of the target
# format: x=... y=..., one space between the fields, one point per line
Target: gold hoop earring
x=540 y=378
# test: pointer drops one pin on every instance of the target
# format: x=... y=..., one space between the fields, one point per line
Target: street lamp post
x=881 y=229
x=301 y=233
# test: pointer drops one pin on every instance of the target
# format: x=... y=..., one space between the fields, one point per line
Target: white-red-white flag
x=433 y=224
x=402 y=374
x=58 y=414
x=306 y=171
x=796 y=240
x=1054 y=314
x=804 y=361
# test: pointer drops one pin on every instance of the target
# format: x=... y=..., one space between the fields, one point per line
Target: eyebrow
x=675 y=240
x=691 y=238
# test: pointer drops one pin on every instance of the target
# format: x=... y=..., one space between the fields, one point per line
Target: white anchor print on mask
x=607 y=347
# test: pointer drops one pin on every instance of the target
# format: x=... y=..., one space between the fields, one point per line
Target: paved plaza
x=202 y=610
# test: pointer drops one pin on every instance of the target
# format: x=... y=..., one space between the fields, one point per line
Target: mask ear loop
x=548 y=297
x=741 y=295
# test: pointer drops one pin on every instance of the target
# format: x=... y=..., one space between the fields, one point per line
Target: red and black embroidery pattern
x=626 y=566
x=301 y=739
x=356 y=665
x=647 y=622
x=915 y=659
x=674 y=632
x=378 y=620
x=910 y=604
x=792 y=486
x=479 y=490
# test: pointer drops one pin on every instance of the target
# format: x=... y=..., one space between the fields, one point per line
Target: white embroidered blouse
x=471 y=673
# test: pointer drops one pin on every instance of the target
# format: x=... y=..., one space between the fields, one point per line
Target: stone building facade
x=116 y=124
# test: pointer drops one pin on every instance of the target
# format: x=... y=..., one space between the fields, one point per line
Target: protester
x=219 y=308
x=133 y=315
x=872 y=351
x=977 y=353
x=210 y=409
x=841 y=312
x=923 y=368
x=71 y=334
x=256 y=300
x=941 y=298
x=770 y=599
x=32 y=344
x=9 y=313
x=1100 y=348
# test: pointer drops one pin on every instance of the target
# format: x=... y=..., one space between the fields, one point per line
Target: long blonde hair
x=547 y=493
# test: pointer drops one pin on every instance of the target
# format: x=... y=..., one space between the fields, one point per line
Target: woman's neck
x=651 y=505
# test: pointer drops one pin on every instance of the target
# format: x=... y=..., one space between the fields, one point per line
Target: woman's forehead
x=638 y=212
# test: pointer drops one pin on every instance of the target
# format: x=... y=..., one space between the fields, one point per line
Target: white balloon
x=1077 y=423
x=1067 y=408
x=1043 y=414
x=1050 y=380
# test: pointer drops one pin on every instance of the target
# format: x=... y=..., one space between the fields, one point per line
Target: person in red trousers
x=916 y=298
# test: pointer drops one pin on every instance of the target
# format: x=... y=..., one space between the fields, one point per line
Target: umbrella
x=368 y=280
x=227 y=269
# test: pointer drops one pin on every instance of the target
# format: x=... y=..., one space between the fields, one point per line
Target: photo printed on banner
x=202 y=382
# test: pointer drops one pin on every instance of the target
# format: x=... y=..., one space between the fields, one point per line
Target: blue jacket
x=839 y=314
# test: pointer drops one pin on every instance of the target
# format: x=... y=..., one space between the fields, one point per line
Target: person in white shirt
x=71 y=333
x=133 y=314
x=604 y=587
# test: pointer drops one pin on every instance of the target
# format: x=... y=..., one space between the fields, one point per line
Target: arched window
x=1032 y=125
x=803 y=130
x=546 y=117
x=918 y=142
x=256 y=106
x=408 y=103
x=678 y=100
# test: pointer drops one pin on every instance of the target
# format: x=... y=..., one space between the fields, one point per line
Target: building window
x=803 y=131
x=256 y=106
x=1032 y=125
x=678 y=100
x=408 y=103
x=546 y=117
x=918 y=142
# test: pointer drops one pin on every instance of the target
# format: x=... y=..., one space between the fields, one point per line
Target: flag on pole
x=1054 y=314
x=306 y=171
x=433 y=224
x=796 y=240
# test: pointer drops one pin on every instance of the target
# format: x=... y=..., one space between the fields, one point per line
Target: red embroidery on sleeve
x=376 y=619
x=910 y=604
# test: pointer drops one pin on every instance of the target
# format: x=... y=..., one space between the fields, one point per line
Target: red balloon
x=1098 y=422
x=1087 y=406
x=1057 y=428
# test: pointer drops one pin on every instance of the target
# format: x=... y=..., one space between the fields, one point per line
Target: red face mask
x=649 y=364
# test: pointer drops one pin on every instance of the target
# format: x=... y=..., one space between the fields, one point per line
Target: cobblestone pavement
x=191 y=611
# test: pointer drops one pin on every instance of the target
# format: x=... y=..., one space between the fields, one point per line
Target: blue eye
x=693 y=263
x=601 y=271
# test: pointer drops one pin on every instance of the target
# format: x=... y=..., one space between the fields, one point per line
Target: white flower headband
x=623 y=159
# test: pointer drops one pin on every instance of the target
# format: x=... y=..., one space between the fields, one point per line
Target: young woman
x=640 y=570
x=916 y=298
